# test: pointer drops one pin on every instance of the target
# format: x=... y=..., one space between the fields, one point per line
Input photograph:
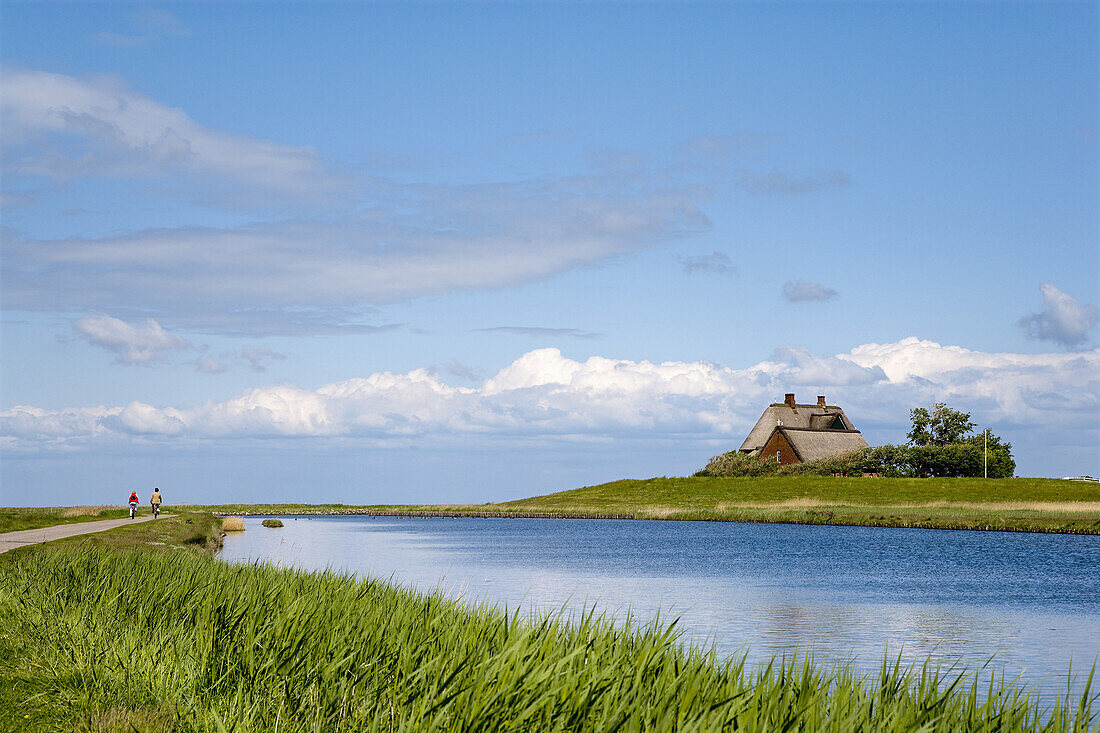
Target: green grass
x=706 y=492
x=1034 y=505
x=116 y=640
x=13 y=519
x=187 y=529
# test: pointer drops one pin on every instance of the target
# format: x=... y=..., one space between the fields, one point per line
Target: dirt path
x=12 y=540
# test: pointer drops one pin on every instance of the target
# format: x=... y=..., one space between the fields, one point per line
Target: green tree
x=940 y=444
x=939 y=426
x=997 y=454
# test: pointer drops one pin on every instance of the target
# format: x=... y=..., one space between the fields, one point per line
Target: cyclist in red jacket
x=133 y=501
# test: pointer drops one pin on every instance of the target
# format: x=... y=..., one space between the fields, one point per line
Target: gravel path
x=12 y=540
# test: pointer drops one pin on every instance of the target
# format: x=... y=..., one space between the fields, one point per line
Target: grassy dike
x=141 y=629
x=1025 y=505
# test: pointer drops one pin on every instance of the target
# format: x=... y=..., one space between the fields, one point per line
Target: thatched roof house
x=796 y=433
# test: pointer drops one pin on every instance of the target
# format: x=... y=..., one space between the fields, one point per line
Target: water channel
x=1031 y=602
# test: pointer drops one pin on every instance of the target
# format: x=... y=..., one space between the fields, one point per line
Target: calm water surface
x=846 y=593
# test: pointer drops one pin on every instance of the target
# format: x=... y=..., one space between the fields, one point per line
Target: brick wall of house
x=779 y=443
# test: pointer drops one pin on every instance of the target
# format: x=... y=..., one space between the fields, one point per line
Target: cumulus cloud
x=138 y=418
x=1062 y=319
x=132 y=344
x=121 y=132
x=716 y=263
x=835 y=371
x=1009 y=388
x=799 y=290
x=546 y=395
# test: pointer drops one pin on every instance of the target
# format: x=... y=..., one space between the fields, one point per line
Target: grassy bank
x=1030 y=505
x=106 y=639
x=13 y=519
x=192 y=529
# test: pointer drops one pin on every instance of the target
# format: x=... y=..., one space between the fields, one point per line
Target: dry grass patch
x=804 y=502
x=84 y=511
x=1057 y=507
x=1054 y=507
x=233 y=524
x=127 y=720
x=657 y=512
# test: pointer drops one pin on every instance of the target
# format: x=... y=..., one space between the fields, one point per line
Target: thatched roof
x=828 y=418
x=809 y=444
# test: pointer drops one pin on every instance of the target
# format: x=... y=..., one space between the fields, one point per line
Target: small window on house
x=778 y=456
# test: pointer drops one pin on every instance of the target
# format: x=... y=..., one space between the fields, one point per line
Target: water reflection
x=846 y=593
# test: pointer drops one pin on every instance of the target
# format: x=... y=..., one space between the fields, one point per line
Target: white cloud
x=800 y=290
x=124 y=133
x=138 y=418
x=133 y=345
x=54 y=427
x=545 y=395
x=1062 y=319
x=277 y=274
x=834 y=371
x=1004 y=388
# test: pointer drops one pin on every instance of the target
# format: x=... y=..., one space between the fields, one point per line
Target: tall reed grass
x=233 y=524
x=163 y=641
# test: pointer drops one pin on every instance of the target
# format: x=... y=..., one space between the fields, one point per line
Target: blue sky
x=368 y=252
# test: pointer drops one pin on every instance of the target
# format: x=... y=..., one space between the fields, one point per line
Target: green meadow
x=1025 y=504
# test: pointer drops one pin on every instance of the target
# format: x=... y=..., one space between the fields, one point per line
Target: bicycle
x=156 y=510
x=133 y=509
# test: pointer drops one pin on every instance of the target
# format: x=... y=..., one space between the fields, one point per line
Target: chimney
x=789 y=399
x=821 y=400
